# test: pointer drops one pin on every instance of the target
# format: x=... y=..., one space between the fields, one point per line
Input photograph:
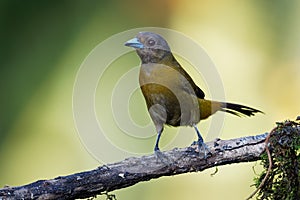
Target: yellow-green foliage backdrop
x=255 y=46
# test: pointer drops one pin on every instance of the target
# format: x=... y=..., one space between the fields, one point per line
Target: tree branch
x=133 y=170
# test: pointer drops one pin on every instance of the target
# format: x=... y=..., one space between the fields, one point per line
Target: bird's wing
x=199 y=93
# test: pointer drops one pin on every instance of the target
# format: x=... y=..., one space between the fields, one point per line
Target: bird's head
x=151 y=47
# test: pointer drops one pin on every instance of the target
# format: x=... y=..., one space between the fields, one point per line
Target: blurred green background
x=254 y=44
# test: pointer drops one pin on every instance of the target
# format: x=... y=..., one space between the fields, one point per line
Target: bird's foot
x=203 y=149
x=161 y=157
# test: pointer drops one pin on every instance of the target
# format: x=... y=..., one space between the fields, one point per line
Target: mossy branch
x=281 y=177
x=133 y=170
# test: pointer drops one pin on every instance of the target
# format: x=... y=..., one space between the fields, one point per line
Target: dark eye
x=151 y=42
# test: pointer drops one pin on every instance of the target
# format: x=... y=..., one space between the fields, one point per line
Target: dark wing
x=199 y=93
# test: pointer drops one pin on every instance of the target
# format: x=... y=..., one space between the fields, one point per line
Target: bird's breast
x=162 y=85
x=159 y=74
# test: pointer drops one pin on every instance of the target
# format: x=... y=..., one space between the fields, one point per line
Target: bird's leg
x=156 y=148
x=159 y=155
x=201 y=144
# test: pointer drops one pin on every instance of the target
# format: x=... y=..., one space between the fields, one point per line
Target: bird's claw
x=203 y=150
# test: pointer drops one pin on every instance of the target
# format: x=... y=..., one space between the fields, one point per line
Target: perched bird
x=171 y=95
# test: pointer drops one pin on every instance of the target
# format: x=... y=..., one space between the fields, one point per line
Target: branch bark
x=132 y=170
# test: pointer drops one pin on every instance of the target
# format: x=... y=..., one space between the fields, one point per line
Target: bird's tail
x=208 y=108
x=238 y=110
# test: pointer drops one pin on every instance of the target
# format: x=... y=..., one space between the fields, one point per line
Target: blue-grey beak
x=135 y=43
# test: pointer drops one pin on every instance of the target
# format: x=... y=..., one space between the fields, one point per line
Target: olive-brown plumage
x=171 y=95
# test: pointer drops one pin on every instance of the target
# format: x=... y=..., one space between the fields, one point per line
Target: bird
x=171 y=95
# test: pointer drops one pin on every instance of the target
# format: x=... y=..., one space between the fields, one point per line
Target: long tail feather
x=239 y=110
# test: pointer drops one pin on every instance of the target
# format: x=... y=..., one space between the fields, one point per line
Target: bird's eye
x=151 y=42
